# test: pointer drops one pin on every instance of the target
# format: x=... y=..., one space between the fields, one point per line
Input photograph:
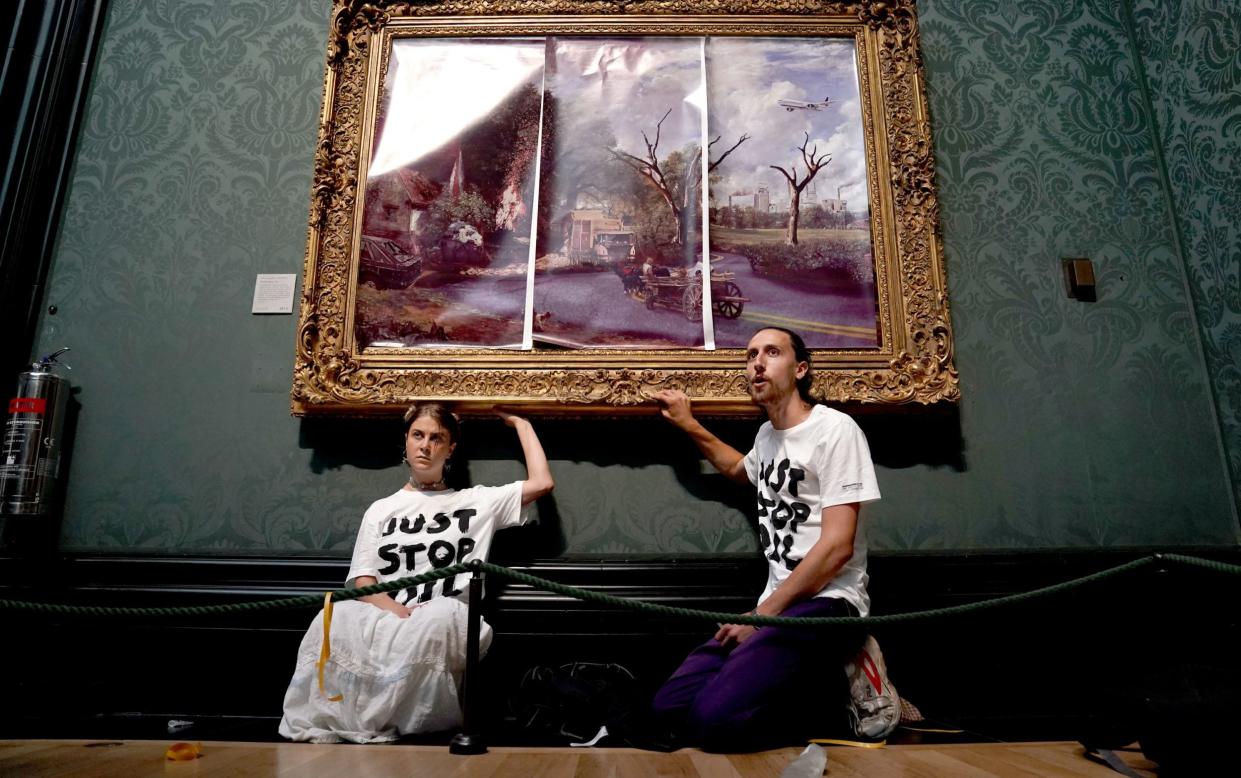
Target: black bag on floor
x=1190 y=716
x=1184 y=718
x=575 y=700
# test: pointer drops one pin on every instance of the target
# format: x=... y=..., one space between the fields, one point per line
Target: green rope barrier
x=285 y=603
x=1206 y=564
x=818 y=621
x=340 y=595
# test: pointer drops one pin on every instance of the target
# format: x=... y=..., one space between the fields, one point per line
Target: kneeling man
x=748 y=687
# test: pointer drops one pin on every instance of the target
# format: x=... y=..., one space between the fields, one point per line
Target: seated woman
x=397 y=661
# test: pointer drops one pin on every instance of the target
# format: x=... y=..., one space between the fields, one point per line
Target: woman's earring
x=447 y=468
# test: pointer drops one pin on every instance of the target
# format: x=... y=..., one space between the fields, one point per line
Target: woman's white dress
x=400 y=676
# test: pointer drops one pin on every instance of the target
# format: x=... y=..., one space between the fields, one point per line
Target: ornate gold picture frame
x=379 y=325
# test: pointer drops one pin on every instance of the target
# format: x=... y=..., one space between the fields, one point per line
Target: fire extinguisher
x=31 y=449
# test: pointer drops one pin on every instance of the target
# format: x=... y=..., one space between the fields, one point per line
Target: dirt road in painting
x=828 y=315
x=590 y=305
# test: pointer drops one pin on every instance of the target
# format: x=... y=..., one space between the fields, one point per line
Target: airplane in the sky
x=798 y=105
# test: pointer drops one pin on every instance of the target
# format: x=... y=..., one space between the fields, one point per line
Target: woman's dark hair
x=439 y=413
x=802 y=354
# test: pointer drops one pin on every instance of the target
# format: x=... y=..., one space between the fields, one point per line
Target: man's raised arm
x=674 y=406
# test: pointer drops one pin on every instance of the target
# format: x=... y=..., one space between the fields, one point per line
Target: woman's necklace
x=434 y=486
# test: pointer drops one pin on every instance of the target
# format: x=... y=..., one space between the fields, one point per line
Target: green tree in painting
x=468 y=207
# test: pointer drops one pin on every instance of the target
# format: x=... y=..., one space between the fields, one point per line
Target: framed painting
x=567 y=206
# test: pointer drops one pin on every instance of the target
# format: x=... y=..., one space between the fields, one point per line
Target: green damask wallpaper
x=1191 y=55
x=1083 y=425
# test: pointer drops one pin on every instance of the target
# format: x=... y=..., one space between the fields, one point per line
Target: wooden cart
x=678 y=291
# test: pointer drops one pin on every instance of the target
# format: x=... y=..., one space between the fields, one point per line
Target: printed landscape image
x=789 y=213
x=550 y=190
x=449 y=202
x=624 y=132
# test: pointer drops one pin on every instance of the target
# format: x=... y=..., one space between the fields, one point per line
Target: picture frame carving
x=911 y=361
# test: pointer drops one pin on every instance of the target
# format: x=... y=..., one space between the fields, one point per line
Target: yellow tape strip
x=807 y=324
x=326 y=651
x=827 y=741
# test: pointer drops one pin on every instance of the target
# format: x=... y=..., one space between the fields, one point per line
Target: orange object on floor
x=183 y=752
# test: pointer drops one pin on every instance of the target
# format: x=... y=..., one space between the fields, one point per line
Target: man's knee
x=671 y=702
x=717 y=725
x=664 y=706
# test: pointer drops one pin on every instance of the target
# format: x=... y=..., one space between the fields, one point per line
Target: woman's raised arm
x=538 y=475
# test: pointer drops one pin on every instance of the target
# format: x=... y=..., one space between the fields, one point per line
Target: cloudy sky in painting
x=633 y=82
x=745 y=79
x=447 y=85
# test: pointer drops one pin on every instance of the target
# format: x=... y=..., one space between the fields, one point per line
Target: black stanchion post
x=470 y=739
x=1161 y=563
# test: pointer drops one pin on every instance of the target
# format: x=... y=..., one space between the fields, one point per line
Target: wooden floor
x=137 y=758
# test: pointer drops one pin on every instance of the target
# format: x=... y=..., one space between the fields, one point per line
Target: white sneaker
x=874 y=705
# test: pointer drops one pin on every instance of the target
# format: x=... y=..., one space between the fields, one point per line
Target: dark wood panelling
x=1053 y=662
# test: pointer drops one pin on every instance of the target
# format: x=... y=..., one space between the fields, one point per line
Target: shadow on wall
x=916 y=436
x=622 y=450
x=627 y=454
x=376 y=444
x=904 y=438
x=369 y=444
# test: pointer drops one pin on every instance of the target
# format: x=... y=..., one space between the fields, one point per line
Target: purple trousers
x=777 y=688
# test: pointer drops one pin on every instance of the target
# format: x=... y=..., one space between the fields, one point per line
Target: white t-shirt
x=413 y=532
x=821 y=462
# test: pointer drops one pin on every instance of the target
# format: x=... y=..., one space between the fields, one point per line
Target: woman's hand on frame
x=511 y=419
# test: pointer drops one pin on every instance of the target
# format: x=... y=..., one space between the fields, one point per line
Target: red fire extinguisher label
x=28 y=405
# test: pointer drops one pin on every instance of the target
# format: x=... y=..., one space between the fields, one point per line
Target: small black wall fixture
x=1079 y=278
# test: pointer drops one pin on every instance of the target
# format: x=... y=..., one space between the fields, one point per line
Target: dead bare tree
x=650 y=170
x=679 y=195
x=711 y=166
x=814 y=163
